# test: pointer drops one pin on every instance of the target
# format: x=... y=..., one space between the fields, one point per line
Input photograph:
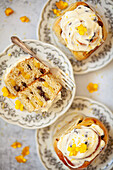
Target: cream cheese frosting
x=7 y=71
x=80 y=29
x=81 y=145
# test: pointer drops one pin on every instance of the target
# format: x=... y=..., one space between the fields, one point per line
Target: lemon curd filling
x=48 y=86
x=80 y=29
x=81 y=145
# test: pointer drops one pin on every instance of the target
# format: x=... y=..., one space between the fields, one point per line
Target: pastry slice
x=23 y=73
x=80 y=29
x=81 y=142
x=41 y=93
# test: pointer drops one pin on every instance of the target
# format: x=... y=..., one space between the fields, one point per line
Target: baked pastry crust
x=85 y=122
x=79 y=55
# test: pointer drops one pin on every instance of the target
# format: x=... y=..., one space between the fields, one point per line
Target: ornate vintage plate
x=85 y=106
x=24 y=118
x=97 y=60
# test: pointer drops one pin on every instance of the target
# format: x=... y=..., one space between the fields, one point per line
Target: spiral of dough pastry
x=80 y=29
x=81 y=145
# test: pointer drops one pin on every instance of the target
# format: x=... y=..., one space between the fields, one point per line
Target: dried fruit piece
x=61 y=5
x=27 y=76
x=9 y=11
x=25 y=151
x=56 y=12
x=20 y=159
x=38 y=101
x=13 y=83
x=92 y=87
x=16 y=145
x=17 y=88
x=24 y=19
x=48 y=86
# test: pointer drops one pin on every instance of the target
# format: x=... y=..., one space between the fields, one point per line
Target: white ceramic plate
x=24 y=118
x=97 y=60
x=88 y=107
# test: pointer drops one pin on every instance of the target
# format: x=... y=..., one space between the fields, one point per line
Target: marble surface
x=12 y=25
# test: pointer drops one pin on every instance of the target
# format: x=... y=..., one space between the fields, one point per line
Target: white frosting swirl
x=86 y=135
x=80 y=29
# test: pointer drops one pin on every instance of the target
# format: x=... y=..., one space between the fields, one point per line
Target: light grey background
x=12 y=25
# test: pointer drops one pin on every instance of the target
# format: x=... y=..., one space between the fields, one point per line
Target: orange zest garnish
x=56 y=12
x=20 y=159
x=16 y=145
x=8 y=11
x=61 y=5
x=92 y=87
x=24 y=19
x=25 y=151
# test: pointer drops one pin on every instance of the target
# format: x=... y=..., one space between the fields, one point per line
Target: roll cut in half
x=80 y=29
x=81 y=142
x=32 y=82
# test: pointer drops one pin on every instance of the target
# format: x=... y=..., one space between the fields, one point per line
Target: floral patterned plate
x=35 y=120
x=97 y=60
x=85 y=106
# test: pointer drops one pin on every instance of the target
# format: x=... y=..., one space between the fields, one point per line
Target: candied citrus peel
x=20 y=159
x=36 y=64
x=6 y=93
x=25 y=151
x=75 y=149
x=19 y=105
x=8 y=11
x=56 y=12
x=81 y=29
x=16 y=145
x=61 y=5
x=24 y=19
x=92 y=87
